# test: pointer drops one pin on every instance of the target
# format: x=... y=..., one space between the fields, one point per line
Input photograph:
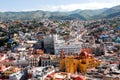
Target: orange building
x=80 y=63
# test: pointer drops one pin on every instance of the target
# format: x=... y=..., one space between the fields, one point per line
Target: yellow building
x=69 y=64
x=81 y=63
x=10 y=70
x=16 y=37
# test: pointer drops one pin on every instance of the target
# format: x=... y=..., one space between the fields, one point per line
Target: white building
x=72 y=46
x=68 y=48
x=54 y=43
x=16 y=76
x=40 y=73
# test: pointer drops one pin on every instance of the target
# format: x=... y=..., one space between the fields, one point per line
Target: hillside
x=76 y=14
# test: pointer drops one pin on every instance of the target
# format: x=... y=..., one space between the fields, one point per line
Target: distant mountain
x=76 y=14
x=112 y=10
x=24 y=15
x=109 y=13
x=113 y=15
x=87 y=14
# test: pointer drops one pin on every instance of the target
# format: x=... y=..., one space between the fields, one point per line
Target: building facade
x=48 y=42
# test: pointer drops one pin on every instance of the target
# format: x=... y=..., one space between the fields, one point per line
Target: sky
x=55 y=5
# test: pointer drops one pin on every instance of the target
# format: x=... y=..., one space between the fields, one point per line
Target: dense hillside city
x=46 y=49
x=75 y=45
